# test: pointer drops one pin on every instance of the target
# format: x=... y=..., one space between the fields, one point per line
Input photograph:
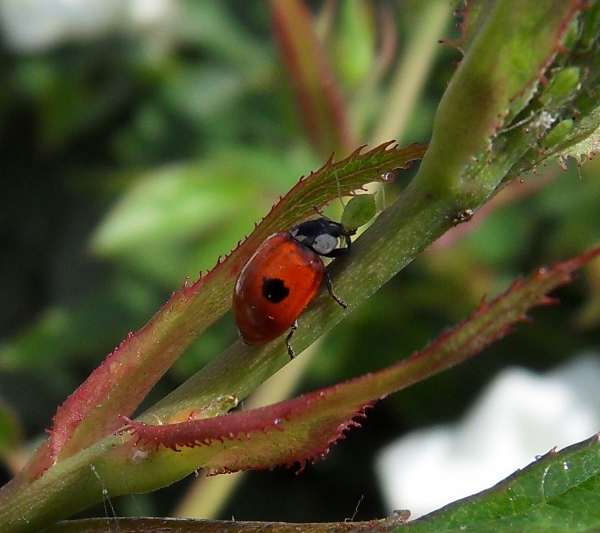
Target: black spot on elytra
x=274 y=290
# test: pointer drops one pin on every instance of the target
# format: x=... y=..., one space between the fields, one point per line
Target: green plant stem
x=505 y=60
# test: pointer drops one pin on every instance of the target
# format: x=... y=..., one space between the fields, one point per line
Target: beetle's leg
x=289 y=338
x=338 y=300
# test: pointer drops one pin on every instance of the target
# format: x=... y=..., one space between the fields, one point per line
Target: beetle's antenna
x=339 y=188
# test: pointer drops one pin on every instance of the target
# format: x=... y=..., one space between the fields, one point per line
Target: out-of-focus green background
x=140 y=140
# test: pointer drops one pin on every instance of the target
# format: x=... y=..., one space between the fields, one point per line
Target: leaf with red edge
x=303 y=428
x=122 y=381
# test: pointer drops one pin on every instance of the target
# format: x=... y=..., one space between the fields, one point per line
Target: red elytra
x=283 y=276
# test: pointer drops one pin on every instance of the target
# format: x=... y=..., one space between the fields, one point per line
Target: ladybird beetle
x=283 y=276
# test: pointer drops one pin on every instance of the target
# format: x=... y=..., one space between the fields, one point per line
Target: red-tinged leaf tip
x=284 y=434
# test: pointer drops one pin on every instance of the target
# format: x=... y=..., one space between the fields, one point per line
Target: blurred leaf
x=318 y=98
x=205 y=92
x=63 y=333
x=174 y=221
x=355 y=41
x=588 y=316
x=10 y=431
x=184 y=201
x=75 y=102
x=564 y=199
x=211 y=26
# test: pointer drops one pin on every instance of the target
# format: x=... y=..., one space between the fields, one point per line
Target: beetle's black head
x=322 y=236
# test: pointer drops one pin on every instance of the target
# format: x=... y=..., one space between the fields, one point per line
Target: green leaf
x=189 y=206
x=558 y=493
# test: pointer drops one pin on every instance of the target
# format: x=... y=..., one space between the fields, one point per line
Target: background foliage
x=134 y=158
